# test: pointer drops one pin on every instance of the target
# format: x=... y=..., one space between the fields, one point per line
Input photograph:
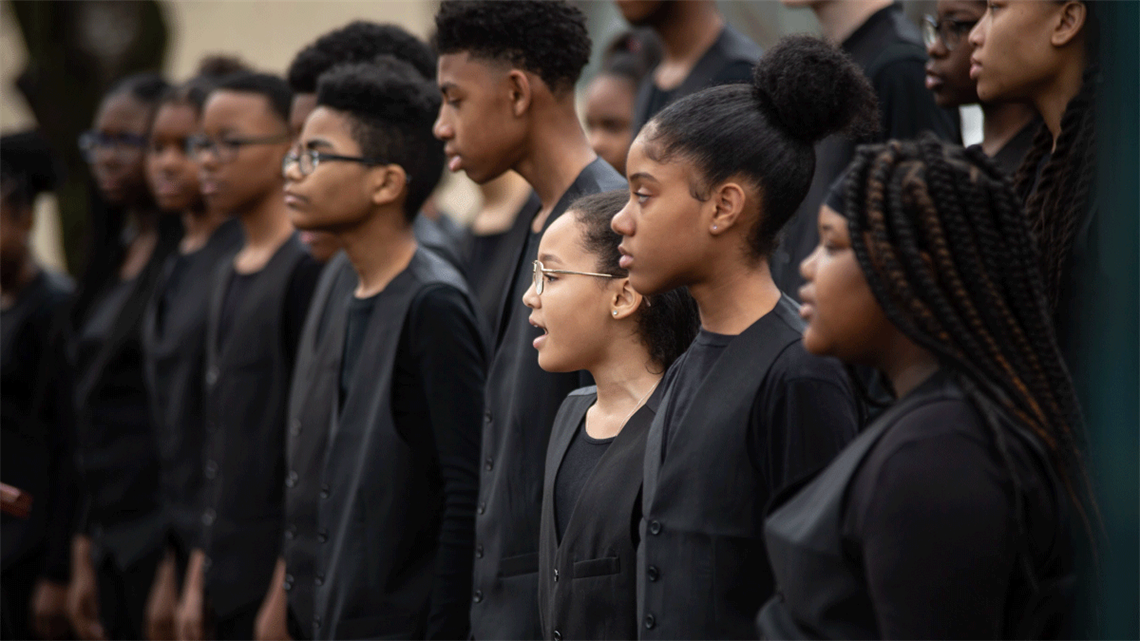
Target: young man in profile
x=507 y=72
x=397 y=379
x=257 y=308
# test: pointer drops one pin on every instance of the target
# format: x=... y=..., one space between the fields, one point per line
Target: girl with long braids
x=713 y=178
x=1043 y=53
x=948 y=517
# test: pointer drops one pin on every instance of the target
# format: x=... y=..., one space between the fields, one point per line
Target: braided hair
x=1057 y=193
x=947 y=252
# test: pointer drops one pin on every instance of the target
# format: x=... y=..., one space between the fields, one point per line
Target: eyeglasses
x=948 y=30
x=309 y=159
x=226 y=149
x=540 y=273
x=123 y=145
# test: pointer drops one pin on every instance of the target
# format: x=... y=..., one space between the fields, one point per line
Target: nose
x=531 y=298
x=977 y=35
x=807 y=266
x=936 y=49
x=442 y=129
x=622 y=222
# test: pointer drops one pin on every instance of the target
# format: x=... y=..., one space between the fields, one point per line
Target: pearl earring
x=615 y=312
x=714 y=227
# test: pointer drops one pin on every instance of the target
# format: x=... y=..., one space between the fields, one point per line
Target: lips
x=454 y=160
x=538 y=341
x=626 y=258
x=807 y=303
x=294 y=201
x=933 y=81
x=975 y=68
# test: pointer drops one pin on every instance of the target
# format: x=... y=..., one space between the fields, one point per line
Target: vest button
x=209 y=516
x=322 y=535
x=556 y=575
x=651 y=573
x=320 y=580
x=295 y=429
x=325 y=491
x=650 y=622
x=489 y=464
x=288 y=583
x=212 y=376
x=487 y=415
x=477 y=597
x=655 y=527
x=291 y=532
x=557 y=636
x=479 y=551
x=211 y=471
x=482 y=508
x=317 y=620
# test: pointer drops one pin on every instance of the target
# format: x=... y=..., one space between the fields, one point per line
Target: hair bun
x=811 y=89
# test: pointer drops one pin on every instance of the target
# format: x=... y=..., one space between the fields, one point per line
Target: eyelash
x=641 y=198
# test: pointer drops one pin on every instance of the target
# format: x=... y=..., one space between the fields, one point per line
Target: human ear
x=1070 y=23
x=625 y=301
x=388 y=184
x=520 y=92
x=728 y=200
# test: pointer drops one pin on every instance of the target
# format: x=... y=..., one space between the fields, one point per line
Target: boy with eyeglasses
x=882 y=40
x=256 y=310
x=397 y=377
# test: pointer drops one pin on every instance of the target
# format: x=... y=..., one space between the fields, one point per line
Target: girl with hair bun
x=948 y=517
x=713 y=178
x=593 y=320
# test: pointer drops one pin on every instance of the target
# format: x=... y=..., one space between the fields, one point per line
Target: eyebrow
x=641 y=175
x=548 y=258
x=447 y=86
x=318 y=142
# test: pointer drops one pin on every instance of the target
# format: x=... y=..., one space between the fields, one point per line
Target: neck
x=266 y=224
x=690 y=30
x=558 y=154
x=838 y=19
x=1001 y=122
x=198 y=226
x=144 y=220
x=1052 y=101
x=379 y=248
x=503 y=197
x=910 y=371
x=624 y=381
x=732 y=299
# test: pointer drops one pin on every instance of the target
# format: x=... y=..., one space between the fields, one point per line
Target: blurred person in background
x=1007 y=127
x=34 y=440
x=174 y=327
x=889 y=48
x=611 y=94
x=258 y=301
x=120 y=540
x=700 y=50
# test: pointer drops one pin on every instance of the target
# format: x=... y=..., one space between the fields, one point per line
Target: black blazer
x=174 y=346
x=702 y=567
x=378 y=516
x=312 y=398
x=247 y=380
x=522 y=401
x=587 y=583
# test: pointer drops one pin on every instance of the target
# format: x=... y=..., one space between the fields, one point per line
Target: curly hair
x=947 y=253
x=668 y=322
x=803 y=90
x=632 y=54
x=358 y=41
x=391 y=108
x=544 y=37
x=273 y=88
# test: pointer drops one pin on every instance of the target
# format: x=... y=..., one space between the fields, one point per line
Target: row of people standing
x=396 y=324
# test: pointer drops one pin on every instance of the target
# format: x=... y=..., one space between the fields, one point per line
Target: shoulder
x=795 y=364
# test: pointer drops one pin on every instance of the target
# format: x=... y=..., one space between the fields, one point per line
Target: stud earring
x=714 y=227
x=615 y=312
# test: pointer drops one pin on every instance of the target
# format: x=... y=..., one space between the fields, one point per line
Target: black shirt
x=729 y=60
x=1009 y=157
x=491 y=261
x=301 y=286
x=791 y=427
x=359 y=311
x=577 y=466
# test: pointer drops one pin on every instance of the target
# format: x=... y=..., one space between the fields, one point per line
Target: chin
x=554 y=365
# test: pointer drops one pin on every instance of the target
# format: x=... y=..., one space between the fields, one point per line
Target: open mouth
x=540 y=339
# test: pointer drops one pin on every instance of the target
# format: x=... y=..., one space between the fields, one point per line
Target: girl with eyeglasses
x=119 y=543
x=948 y=517
x=1008 y=127
x=593 y=320
x=1043 y=53
x=173 y=328
x=713 y=178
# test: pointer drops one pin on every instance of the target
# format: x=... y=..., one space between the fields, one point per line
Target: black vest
x=312 y=398
x=247 y=380
x=522 y=401
x=702 y=569
x=380 y=499
x=174 y=344
x=823 y=592
x=587 y=582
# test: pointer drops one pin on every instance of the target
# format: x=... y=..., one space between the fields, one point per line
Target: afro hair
x=544 y=37
x=391 y=108
x=358 y=41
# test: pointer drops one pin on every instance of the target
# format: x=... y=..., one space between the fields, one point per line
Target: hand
x=270 y=624
x=162 y=602
x=83 y=593
x=190 y=617
x=49 y=610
